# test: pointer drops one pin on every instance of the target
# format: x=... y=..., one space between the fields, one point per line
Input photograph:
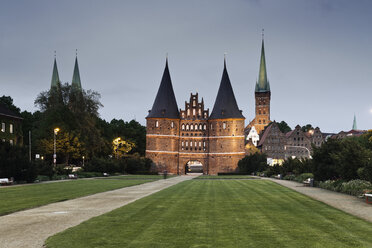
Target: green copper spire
x=355 y=124
x=262 y=85
x=55 y=76
x=76 y=84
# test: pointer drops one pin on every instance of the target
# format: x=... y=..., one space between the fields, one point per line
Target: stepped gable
x=165 y=104
x=225 y=106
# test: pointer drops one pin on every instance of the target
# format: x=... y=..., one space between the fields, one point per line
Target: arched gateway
x=194 y=166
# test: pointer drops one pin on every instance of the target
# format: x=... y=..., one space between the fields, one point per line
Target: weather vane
x=55 y=53
x=263 y=33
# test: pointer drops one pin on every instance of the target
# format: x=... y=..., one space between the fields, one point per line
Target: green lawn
x=17 y=198
x=220 y=213
x=224 y=177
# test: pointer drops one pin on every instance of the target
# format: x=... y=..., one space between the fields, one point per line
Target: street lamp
x=83 y=160
x=56 y=130
x=303 y=147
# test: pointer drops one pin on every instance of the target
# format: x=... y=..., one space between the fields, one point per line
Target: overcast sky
x=318 y=54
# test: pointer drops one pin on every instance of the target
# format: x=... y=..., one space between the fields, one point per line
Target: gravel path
x=30 y=228
x=347 y=203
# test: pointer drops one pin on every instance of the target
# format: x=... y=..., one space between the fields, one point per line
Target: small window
x=199 y=111
x=188 y=112
x=259 y=121
x=183 y=126
x=224 y=125
x=182 y=143
x=11 y=142
x=193 y=112
x=194 y=103
x=190 y=143
x=187 y=143
x=191 y=127
x=204 y=143
x=172 y=124
x=199 y=143
x=10 y=128
x=187 y=127
x=3 y=127
x=211 y=126
x=196 y=126
x=205 y=126
x=200 y=127
x=157 y=124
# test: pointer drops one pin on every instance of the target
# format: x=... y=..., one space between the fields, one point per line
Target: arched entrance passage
x=193 y=166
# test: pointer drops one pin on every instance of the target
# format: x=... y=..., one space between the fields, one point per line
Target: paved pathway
x=347 y=203
x=30 y=228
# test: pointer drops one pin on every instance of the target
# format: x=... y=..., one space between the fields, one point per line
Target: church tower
x=262 y=96
x=226 y=130
x=162 y=124
x=76 y=83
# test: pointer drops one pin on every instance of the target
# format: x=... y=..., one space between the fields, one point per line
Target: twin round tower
x=216 y=140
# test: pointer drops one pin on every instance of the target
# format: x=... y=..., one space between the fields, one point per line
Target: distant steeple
x=262 y=85
x=225 y=106
x=355 y=124
x=55 y=77
x=165 y=104
x=76 y=83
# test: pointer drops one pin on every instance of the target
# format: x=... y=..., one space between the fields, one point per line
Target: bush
x=85 y=174
x=289 y=177
x=253 y=163
x=353 y=187
x=303 y=177
x=14 y=163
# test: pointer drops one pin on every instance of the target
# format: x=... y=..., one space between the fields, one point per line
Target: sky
x=318 y=54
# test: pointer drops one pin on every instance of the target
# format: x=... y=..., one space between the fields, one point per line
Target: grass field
x=220 y=213
x=17 y=198
x=224 y=177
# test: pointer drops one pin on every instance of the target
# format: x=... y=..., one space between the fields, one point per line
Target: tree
x=283 y=127
x=75 y=113
x=253 y=163
x=68 y=146
x=340 y=159
x=8 y=102
x=121 y=147
x=307 y=128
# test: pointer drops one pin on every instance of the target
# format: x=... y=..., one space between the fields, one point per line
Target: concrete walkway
x=30 y=228
x=347 y=203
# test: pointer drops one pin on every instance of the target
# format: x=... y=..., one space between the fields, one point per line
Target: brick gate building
x=175 y=137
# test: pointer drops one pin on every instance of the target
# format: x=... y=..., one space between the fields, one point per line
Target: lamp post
x=56 y=130
x=83 y=160
x=303 y=147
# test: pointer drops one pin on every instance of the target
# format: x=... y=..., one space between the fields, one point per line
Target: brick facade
x=217 y=144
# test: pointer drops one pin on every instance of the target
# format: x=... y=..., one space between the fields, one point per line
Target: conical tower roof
x=355 y=123
x=225 y=106
x=76 y=83
x=262 y=85
x=55 y=76
x=165 y=104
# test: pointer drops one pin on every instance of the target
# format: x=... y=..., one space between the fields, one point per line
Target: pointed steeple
x=55 y=77
x=76 y=83
x=355 y=124
x=262 y=85
x=165 y=104
x=225 y=106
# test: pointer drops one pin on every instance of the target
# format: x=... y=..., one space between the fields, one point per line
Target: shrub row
x=353 y=187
